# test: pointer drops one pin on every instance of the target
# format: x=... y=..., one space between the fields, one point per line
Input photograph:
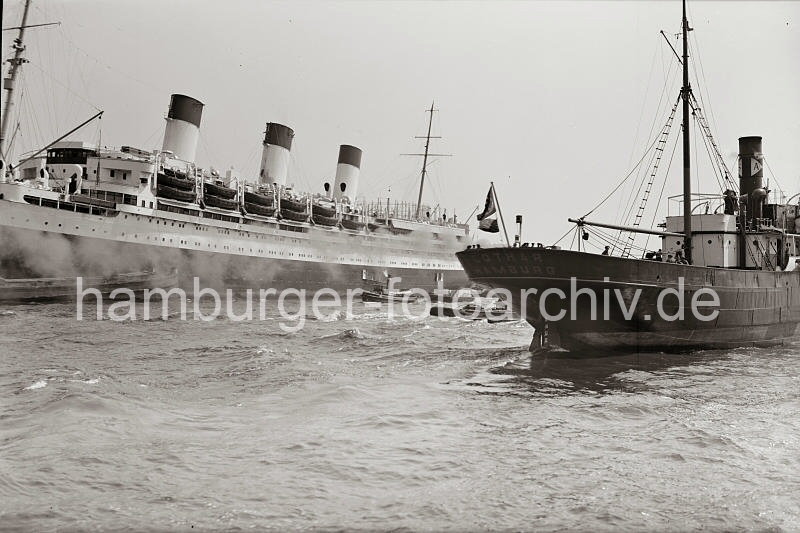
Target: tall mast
x=425 y=161
x=12 y=75
x=687 y=173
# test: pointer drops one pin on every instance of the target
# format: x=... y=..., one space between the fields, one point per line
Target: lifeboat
x=176 y=182
x=256 y=198
x=325 y=211
x=294 y=215
x=166 y=191
x=292 y=204
x=211 y=189
x=222 y=203
x=323 y=220
x=258 y=209
x=351 y=224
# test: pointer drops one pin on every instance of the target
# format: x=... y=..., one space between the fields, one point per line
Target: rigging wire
x=152 y=139
x=648 y=175
x=299 y=174
x=666 y=130
x=698 y=62
x=625 y=215
x=696 y=163
x=622 y=182
x=252 y=159
x=713 y=149
x=663 y=187
x=774 y=177
x=106 y=65
x=562 y=237
x=73 y=93
x=644 y=101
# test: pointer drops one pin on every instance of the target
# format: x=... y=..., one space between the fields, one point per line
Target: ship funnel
x=751 y=175
x=275 y=157
x=183 y=127
x=348 y=170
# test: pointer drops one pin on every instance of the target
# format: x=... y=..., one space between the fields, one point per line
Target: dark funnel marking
x=279 y=135
x=350 y=155
x=186 y=108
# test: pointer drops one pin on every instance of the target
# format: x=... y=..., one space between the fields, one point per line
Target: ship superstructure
x=132 y=205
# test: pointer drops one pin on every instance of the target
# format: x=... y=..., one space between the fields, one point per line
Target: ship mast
x=425 y=155
x=687 y=174
x=425 y=161
x=12 y=75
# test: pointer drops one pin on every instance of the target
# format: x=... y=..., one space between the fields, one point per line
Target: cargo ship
x=76 y=206
x=721 y=279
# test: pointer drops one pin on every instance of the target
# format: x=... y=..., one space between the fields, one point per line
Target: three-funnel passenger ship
x=128 y=208
x=588 y=303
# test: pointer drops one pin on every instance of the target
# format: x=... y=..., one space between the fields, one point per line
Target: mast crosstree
x=425 y=156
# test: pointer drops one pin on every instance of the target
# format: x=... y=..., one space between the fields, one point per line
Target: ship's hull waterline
x=222 y=254
x=625 y=314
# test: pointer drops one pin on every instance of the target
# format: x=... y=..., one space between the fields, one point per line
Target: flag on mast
x=489 y=224
x=489 y=208
x=485 y=223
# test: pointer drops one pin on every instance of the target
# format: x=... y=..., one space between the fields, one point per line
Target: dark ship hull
x=66 y=288
x=756 y=307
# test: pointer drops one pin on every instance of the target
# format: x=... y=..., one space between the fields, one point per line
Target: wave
x=94 y=381
x=42 y=383
x=352 y=333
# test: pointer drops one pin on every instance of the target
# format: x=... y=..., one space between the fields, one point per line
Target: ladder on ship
x=661 y=144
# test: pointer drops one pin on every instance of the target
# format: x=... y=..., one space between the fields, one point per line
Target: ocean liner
x=78 y=208
x=721 y=279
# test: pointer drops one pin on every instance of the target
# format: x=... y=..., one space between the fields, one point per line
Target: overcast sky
x=554 y=101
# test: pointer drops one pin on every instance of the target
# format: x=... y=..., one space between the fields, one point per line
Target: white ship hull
x=236 y=251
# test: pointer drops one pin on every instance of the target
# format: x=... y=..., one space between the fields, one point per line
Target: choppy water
x=365 y=423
